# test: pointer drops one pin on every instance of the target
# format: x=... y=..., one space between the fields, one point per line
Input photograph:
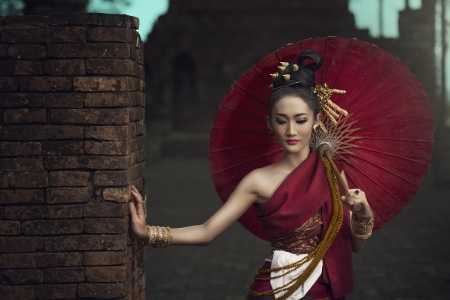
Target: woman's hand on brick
x=137 y=215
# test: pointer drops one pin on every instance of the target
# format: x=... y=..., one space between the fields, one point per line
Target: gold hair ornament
x=331 y=109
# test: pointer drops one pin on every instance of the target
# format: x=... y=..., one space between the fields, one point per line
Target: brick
x=26 y=51
x=140 y=155
x=66 y=67
x=108 y=133
x=99 y=66
x=137 y=143
x=59 y=259
x=25 y=212
x=107 y=147
x=86 y=242
x=87 y=162
x=69 y=178
x=20 y=244
x=33 y=20
x=112 y=116
x=89 y=50
x=103 y=290
x=9 y=84
x=42 y=132
x=28 y=180
x=111 y=178
x=67 y=195
x=121 y=194
x=56 y=291
x=22 y=292
x=20 y=100
x=2 y=210
x=98 y=19
x=52 y=227
x=25 y=115
x=101 y=84
x=107 y=274
x=23 y=35
x=19 y=164
x=18 y=261
x=69 y=34
x=105 y=225
x=4 y=180
x=9 y=227
x=110 y=34
x=64 y=211
x=45 y=84
x=105 y=258
x=64 y=100
x=105 y=210
x=14 y=292
x=137 y=114
x=138 y=183
x=64 y=274
x=22 y=276
x=20 y=67
x=20 y=148
x=21 y=196
x=3 y=50
x=108 y=99
x=63 y=147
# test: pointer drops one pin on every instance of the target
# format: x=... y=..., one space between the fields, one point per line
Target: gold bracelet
x=156 y=236
x=362 y=230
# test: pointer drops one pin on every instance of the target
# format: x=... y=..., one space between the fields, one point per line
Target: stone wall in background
x=71 y=144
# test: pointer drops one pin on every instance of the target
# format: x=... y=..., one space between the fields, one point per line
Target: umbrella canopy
x=384 y=145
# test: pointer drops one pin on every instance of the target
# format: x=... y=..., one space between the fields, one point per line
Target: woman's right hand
x=137 y=215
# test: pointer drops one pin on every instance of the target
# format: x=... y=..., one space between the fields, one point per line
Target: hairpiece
x=286 y=77
x=331 y=109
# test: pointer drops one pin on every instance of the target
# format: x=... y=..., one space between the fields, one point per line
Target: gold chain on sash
x=314 y=256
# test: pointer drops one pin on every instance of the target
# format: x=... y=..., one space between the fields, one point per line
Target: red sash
x=297 y=199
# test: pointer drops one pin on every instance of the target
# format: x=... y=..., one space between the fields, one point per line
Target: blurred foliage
x=16 y=7
x=107 y=6
x=11 y=7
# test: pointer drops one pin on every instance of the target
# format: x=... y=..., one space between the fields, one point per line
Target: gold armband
x=156 y=236
x=362 y=230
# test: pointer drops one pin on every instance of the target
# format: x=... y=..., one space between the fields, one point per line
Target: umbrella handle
x=326 y=151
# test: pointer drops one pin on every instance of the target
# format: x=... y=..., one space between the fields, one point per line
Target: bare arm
x=362 y=215
x=239 y=201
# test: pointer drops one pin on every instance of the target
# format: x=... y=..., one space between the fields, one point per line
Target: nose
x=291 y=129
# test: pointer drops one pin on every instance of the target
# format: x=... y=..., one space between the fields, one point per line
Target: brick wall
x=71 y=144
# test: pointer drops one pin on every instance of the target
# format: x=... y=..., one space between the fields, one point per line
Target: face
x=292 y=122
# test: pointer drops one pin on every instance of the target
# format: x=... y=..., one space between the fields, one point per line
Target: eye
x=301 y=121
x=279 y=121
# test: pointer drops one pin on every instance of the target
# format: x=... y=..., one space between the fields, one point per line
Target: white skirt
x=282 y=258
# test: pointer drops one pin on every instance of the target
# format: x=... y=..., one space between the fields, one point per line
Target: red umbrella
x=384 y=144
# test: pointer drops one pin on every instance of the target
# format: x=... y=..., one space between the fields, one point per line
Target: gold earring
x=270 y=131
x=316 y=127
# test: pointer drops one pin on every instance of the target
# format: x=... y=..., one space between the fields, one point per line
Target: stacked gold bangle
x=156 y=236
x=362 y=230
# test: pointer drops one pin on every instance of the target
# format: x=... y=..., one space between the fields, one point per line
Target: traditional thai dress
x=296 y=218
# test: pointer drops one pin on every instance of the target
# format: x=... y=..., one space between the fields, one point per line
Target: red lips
x=292 y=141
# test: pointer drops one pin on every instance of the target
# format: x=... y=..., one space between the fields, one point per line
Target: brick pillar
x=71 y=144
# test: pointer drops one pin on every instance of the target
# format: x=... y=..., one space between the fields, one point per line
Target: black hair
x=300 y=82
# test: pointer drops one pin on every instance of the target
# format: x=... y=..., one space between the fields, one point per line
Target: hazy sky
x=366 y=14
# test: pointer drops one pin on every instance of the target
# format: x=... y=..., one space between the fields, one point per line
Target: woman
x=292 y=200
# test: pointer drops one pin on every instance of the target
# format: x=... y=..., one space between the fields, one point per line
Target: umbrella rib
x=240 y=147
x=251 y=94
x=260 y=74
x=324 y=55
x=343 y=63
x=395 y=123
x=388 y=108
x=241 y=112
x=243 y=163
x=375 y=98
x=395 y=198
x=389 y=171
x=393 y=155
x=369 y=85
x=399 y=139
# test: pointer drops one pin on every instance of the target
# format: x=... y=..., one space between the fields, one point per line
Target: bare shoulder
x=263 y=182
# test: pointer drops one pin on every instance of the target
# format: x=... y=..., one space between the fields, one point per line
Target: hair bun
x=311 y=54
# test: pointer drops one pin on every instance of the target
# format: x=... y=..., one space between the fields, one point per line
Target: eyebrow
x=284 y=115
